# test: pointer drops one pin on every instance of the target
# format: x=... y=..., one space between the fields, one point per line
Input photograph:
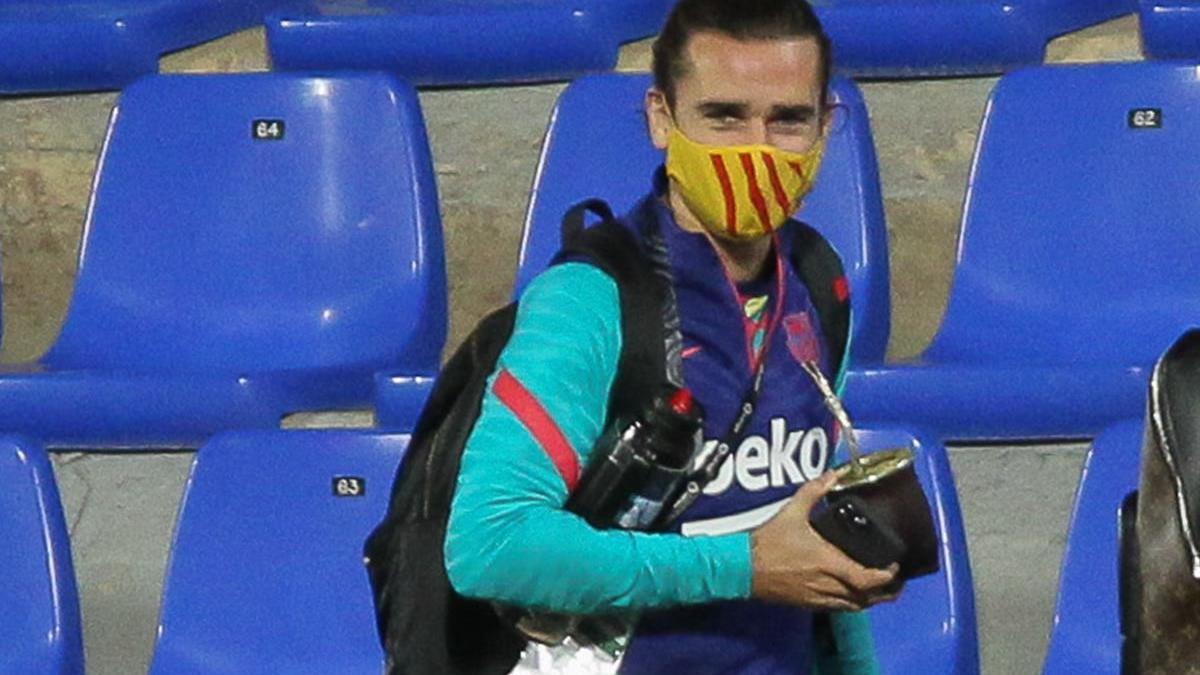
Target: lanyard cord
x=711 y=465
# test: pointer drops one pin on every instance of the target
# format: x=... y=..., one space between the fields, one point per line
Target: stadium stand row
x=106 y=44
x=228 y=199
x=290 y=223
x=283 y=590
x=921 y=38
x=438 y=43
x=94 y=45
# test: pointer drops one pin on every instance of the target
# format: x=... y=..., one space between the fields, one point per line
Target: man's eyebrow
x=799 y=111
x=722 y=108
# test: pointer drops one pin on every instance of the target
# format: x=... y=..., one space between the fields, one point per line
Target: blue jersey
x=789 y=441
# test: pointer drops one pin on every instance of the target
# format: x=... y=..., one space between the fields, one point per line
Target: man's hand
x=794 y=565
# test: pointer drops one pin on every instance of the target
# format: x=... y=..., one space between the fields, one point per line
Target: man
x=739 y=105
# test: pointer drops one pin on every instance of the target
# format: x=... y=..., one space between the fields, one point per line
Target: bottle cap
x=682 y=402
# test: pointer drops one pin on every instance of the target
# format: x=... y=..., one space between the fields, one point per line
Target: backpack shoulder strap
x=820 y=268
x=574 y=221
x=618 y=252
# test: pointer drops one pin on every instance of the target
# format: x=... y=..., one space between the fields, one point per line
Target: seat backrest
x=1086 y=637
x=255 y=222
x=40 y=622
x=597 y=145
x=1170 y=29
x=92 y=45
x=437 y=43
x=932 y=627
x=1079 y=239
x=266 y=572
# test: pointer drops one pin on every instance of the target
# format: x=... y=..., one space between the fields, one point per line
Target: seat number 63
x=349 y=486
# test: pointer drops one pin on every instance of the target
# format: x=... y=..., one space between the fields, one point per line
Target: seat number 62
x=1145 y=118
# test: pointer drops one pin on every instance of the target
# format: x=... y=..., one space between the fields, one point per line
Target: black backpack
x=425 y=626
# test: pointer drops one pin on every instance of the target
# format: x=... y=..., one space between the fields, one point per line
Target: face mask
x=741 y=192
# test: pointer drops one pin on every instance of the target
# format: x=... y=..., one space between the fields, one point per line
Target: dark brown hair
x=741 y=20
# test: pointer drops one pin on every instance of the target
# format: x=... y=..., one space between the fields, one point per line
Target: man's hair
x=741 y=20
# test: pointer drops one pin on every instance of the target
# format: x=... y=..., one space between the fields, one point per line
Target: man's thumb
x=811 y=492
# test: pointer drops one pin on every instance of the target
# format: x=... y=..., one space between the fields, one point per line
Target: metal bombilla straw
x=834 y=405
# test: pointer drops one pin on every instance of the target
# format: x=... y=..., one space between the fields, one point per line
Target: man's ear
x=658 y=117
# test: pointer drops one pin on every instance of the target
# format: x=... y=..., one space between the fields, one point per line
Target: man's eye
x=794 y=119
x=792 y=125
x=725 y=120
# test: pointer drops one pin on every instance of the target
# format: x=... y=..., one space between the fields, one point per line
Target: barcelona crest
x=802 y=339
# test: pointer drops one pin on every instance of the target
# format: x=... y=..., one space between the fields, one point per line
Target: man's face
x=744 y=93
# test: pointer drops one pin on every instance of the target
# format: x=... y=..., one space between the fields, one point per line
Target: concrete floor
x=121 y=508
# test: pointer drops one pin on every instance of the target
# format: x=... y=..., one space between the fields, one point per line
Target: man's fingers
x=840 y=605
x=891 y=594
x=835 y=595
x=878 y=599
x=857 y=577
x=845 y=591
x=830 y=585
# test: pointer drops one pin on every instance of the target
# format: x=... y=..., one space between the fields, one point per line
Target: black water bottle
x=639 y=465
x=636 y=467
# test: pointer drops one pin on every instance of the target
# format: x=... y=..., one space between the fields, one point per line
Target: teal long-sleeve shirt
x=509 y=538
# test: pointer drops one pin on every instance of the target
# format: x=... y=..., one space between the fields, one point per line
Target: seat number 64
x=267 y=130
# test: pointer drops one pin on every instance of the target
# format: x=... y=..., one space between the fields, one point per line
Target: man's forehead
x=721 y=67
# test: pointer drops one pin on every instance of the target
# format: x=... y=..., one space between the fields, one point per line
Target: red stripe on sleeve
x=756 y=195
x=727 y=191
x=544 y=429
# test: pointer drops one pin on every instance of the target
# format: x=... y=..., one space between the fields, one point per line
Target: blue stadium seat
x=931 y=628
x=1087 y=632
x=266 y=572
x=91 y=45
x=399 y=399
x=1076 y=260
x=916 y=38
x=247 y=601
x=226 y=281
x=40 y=621
x=433 y=42
x=1171 y=29
x=597 y=146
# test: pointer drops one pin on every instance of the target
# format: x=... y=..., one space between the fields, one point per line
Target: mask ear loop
x=671 y=117
x=836 y=110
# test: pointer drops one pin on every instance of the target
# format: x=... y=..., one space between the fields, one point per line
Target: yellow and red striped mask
x=744 y=191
